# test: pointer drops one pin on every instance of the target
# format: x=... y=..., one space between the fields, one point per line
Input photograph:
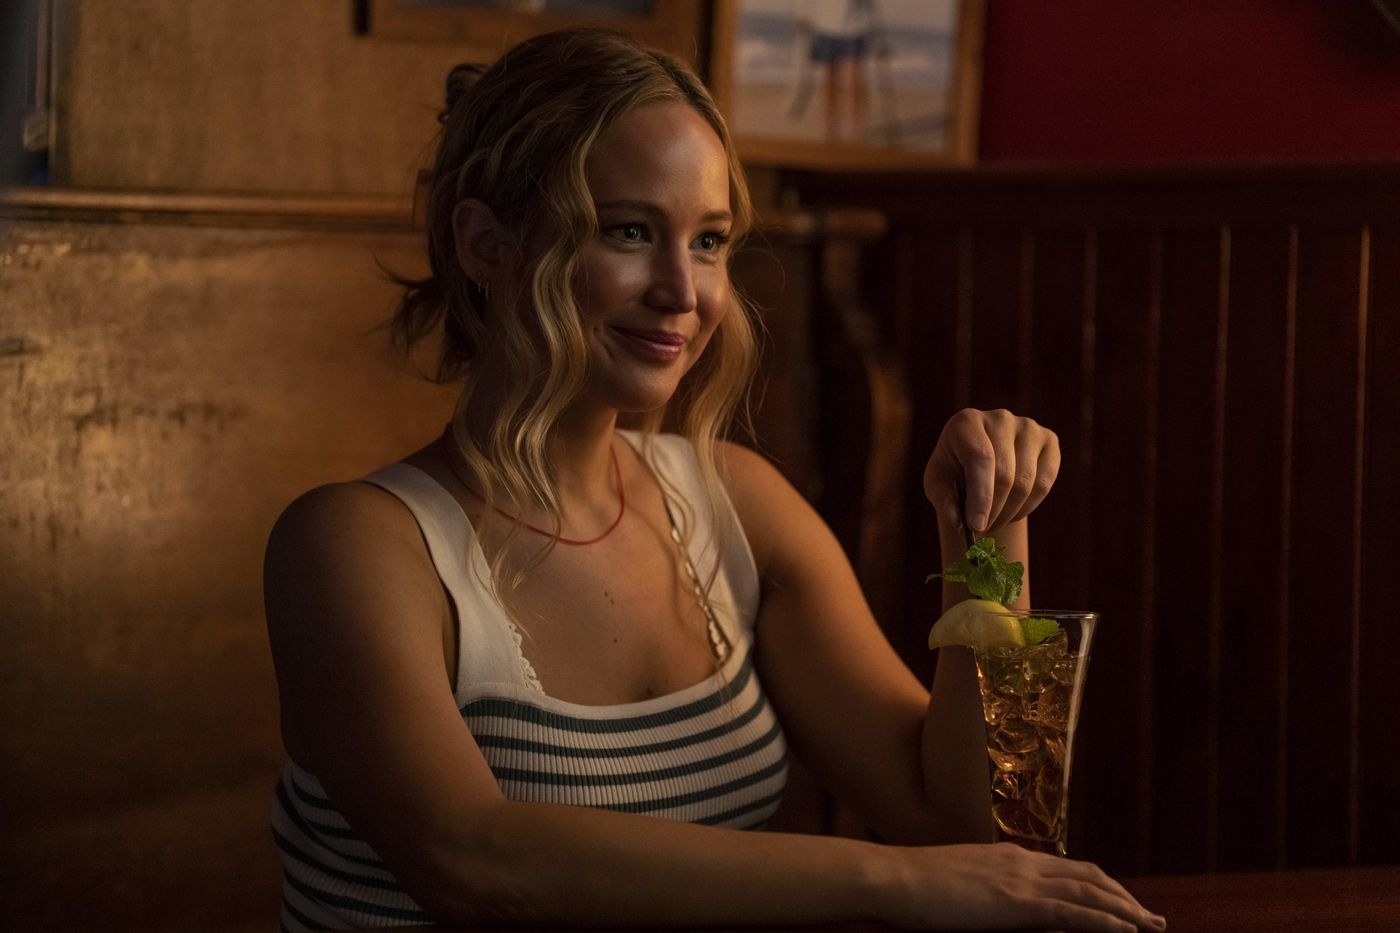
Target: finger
x=1047 y=470
x=1084 y=895
x=1026 y=467
x=1078 y=870
x=978 y=461
x=1088 y=875
x=1002 y=431
x=940 y=479
x=1067 y=915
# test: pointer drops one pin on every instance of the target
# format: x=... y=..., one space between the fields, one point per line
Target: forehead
x=664 y=154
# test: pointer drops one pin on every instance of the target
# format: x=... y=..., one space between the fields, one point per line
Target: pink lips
x=661 y=346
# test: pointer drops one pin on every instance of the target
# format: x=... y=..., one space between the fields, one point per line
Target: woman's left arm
x=913 y=767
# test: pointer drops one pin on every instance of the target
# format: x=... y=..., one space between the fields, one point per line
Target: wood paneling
x=260 y=96
x=1215 y=348
x=167 y=389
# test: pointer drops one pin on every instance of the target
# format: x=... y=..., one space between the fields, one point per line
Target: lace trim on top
x=527 y=670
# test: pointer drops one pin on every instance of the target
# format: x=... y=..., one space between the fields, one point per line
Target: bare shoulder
x=353 y=607
x=344 y=551
x=338 y=522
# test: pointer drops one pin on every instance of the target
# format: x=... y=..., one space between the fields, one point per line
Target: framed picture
x=850 y=84
x=673 y=25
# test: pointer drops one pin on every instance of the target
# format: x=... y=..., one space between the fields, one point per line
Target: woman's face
x=654 y=284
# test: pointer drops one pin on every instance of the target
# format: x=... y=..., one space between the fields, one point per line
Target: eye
x=712 y=242
x=632 y=233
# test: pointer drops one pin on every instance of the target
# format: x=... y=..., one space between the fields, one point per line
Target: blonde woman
x=546 y=670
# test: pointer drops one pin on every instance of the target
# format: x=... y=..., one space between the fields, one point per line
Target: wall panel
x=1216 y=349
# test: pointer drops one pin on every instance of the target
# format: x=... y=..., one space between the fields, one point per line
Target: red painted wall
x=1186 y=81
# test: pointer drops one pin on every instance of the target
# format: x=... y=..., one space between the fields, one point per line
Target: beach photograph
x=845 y=73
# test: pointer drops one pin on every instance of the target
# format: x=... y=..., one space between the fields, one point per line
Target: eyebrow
x=646 y=207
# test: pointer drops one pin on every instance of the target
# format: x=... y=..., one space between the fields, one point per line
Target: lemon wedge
x=978 y=623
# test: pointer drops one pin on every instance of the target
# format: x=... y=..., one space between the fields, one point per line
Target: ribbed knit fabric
x=712 y=753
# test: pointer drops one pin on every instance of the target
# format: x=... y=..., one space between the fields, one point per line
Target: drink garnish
x=979 y=623
x=995 y=582
x=1037 y=630
x=986 y=573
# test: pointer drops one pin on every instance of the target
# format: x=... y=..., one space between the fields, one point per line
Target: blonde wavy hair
x=516 y=136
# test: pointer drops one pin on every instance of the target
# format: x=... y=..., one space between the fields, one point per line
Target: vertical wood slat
x=1113 y=772
x=1190 y=308
x=1322 y=550
x=1088 y=320
x=1285 y=557
x=1220 y=373
x=1378 y=741
x=1363 y=297
x=1251 y=610
x=1147 y=716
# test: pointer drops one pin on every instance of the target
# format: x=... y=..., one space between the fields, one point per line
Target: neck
x=580 y=455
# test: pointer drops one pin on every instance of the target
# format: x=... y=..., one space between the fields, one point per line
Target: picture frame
x=496 y=25
x=859 y=85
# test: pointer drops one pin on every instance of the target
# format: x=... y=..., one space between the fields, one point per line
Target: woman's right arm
x=355 y=614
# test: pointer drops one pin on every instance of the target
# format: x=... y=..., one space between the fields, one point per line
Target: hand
x=1007 y=465
x=982 y=887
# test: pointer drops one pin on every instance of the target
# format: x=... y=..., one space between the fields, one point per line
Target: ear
x=483 y=244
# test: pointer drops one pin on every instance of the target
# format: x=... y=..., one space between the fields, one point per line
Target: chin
x=635 y=399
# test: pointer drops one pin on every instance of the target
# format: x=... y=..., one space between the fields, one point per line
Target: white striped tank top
x=712 y=753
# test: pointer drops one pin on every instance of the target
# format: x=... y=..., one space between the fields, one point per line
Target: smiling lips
x=661 y=346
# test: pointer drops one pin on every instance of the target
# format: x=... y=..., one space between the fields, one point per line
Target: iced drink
x=1030 y=700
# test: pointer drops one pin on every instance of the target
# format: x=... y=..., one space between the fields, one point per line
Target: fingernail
x=1159 y=921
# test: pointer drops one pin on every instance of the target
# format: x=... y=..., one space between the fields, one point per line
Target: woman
x=545 y=670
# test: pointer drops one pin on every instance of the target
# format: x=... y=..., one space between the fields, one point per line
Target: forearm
x=954 y=735
x=543 y=864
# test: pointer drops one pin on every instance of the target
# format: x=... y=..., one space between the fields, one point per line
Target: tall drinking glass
x=1030 y=701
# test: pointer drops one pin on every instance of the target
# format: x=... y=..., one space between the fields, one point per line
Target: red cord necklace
x=617 y=476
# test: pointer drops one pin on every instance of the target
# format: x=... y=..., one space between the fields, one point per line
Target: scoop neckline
x=723 y=674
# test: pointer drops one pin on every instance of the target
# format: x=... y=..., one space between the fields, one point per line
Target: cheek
x=715 y=302
x=606 y=283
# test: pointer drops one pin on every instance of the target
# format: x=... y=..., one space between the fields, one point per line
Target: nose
x=672 y=287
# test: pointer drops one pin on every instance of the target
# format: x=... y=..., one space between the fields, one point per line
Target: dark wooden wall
x=1217 y=350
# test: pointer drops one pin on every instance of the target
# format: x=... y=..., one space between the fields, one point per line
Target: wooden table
x=1333 y=900
x=1303 y=901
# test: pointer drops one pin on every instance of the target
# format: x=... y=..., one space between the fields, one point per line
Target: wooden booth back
x=1217 y=349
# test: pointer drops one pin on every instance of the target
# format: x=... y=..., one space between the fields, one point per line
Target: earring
x=484 y=287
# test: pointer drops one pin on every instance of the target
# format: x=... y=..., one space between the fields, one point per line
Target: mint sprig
x=986 y=573
x=1037 y=630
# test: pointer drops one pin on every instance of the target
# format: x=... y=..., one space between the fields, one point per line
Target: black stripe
x=528 y=712
x=290 y=910
x=511 y=743
x=310 y=831
x=565 y=779
x=308 y=797
x=749 y=807
x=698 y=796
x=353 y=903
x=289 y=847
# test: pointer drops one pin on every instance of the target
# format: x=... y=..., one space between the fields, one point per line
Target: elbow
x=476 y=880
